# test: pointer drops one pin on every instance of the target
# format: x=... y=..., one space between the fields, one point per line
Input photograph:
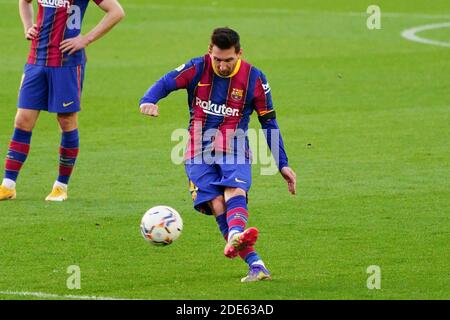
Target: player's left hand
x=74 y=44
x=291 y=179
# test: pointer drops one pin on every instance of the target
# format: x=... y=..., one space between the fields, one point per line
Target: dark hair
x=226 y=38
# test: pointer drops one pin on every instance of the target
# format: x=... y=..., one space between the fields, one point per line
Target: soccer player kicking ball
x=223 y=91
x=53 y=81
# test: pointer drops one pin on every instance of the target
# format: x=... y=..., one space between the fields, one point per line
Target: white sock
x=231 y=234
x=60 y=184
x=260 y=262
x=8 y=183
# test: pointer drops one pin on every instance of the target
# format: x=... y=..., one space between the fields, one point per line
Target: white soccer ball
x=161 y=225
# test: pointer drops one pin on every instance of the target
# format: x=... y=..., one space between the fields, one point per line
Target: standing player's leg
x=18 y=150
x=68 y=153
x=33 y=97
x=65 y=99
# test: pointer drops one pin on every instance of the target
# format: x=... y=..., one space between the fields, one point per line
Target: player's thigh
x=34 y=88
x=65 y=88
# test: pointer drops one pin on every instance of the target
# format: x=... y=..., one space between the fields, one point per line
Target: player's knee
x=23 y=124
x=24 y=121
x=234 y=192
x=67 y=122
x=218 y=205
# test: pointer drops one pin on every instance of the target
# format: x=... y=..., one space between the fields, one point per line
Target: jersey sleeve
x=262 y=103
x=262 y=99
x=180 y=78
x=97 y=2
x=275 y=142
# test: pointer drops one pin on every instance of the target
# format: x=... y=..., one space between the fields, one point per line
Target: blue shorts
x=208 y=181
x=53 y=89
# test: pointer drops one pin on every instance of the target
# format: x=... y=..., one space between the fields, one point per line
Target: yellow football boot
x=7 y=194
x=58 y=194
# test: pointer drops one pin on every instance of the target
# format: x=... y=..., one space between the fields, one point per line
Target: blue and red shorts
x=53 y=89
x=209 y=180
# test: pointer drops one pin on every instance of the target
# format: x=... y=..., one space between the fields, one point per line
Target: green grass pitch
x=365 y=119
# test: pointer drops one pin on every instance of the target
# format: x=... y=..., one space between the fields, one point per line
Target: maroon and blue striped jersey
x=220 y=107
x=58 y=20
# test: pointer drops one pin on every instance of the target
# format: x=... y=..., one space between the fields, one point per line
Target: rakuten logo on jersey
x=216 y=109
x=55 y=3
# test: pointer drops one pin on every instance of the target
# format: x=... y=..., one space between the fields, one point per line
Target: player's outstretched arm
x=114 y=13
x=180 y=78
x=26 y=15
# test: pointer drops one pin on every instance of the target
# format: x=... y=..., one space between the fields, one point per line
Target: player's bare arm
x=114 y=13
x=26 y=15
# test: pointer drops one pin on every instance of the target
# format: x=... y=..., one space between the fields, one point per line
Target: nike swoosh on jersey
x=204 y=84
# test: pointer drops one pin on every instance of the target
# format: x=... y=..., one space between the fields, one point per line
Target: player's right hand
x=149 y=109
x=291 y=179
x=32 y=32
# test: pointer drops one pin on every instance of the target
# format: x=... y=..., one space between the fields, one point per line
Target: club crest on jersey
x=237 y=94
x=55 y=3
